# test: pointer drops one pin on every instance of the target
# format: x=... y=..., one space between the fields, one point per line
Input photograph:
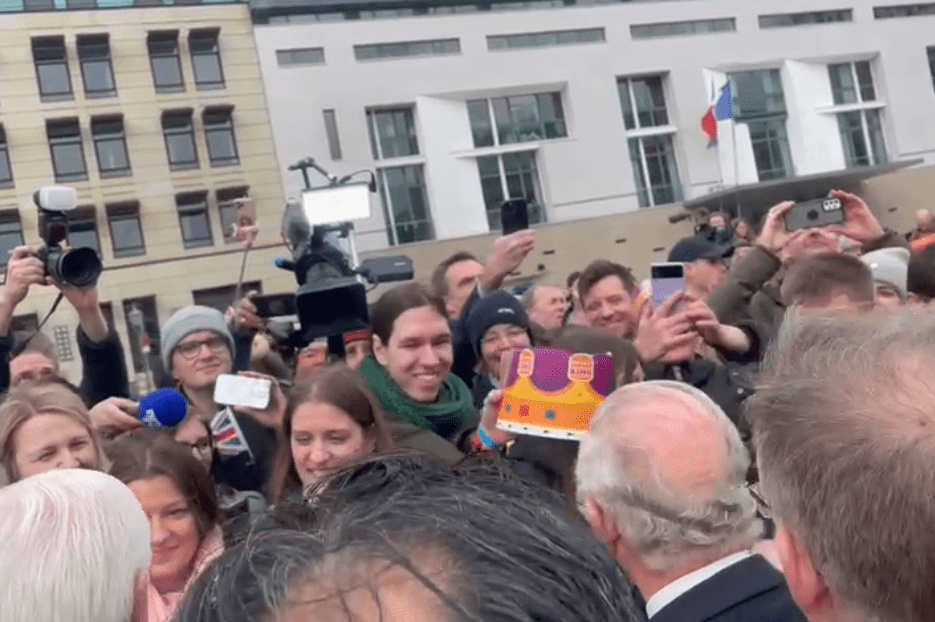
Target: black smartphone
x=275 y=305
x=514 y=216
x=817 y=213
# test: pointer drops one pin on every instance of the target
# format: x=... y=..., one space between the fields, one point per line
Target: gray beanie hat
x=188 y=320
x=891 y=267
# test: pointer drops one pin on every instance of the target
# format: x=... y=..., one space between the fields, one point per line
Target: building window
x=206 y=59
x=164 y=60
x=517 y=119
x=807 y=18
x=6 y=172
x=650 y=140
x=545 y=39
x=11 y=234
x=931 y=55
x=510 y=176
x=96 y=69
x=438 y=47
x=392 y=133
x=331 y=131
x=179 y=133
x=904 y=10
x=298 y=57
x=759 y=102
x=227 y=209
x=150 y=335
x=861 y=129
x=82 y=229
x=405 y=204
x=194 y=220
x=67 y=150
x=221 y=298
x=110 y=146
x=219 y=131
x=126 y=233
x=52 y=68
x=677 y=29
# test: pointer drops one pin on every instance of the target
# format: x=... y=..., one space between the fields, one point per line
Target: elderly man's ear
x=805 y=582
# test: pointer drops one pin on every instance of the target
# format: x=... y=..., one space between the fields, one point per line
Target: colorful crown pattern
x=554 y=393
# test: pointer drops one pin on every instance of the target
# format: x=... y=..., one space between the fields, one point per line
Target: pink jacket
x=163 y=607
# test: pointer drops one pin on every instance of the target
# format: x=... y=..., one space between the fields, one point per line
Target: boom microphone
x=166 y=408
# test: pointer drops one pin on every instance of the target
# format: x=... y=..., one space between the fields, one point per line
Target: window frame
x=765 y=118
x=87 y=42
x=370 y=52
x=226 y=198
x=191 y=202
x=870 y=111
x=226 y=126
x=10 y=217
x=155 y=38
x=376 y=139
x=515 y=126
x=545 y=39
x=125 y=211
x=538 y=211
x=6 y=177
x=386 y=200
x=117 y=138
x=287 y=57
x=54 y=43
x=167 y=131
x=330 y=118
x=74 y=140
x=82 y=215
x=196 y=38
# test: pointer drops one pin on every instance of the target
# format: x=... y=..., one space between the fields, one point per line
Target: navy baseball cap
x=698 y=247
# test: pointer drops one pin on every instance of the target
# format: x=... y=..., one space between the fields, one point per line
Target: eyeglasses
x=190 y=349
x=761 y=505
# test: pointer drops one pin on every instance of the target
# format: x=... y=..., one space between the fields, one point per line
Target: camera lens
x=812 y=214
x=79 y=267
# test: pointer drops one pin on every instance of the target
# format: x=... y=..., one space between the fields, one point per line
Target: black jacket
x=748 y=591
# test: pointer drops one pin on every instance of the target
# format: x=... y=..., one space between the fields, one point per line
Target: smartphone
x=817 y=213
x=666 y=279
x=231 y=390
x=514 y=216
x=275 y=305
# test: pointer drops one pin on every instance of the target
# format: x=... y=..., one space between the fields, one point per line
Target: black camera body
x=79 y=267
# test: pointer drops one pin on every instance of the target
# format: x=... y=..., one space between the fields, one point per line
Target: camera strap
x=55 y=304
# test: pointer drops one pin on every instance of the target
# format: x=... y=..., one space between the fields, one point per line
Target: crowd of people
x=764 y=456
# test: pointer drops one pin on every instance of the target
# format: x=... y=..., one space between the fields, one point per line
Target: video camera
x=79 y=267
x=331 y=298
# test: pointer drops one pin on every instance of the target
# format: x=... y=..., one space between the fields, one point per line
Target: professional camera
x=79 y=267
x=332 y=297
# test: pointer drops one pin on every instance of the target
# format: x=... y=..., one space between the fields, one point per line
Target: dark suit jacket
x=751 y=590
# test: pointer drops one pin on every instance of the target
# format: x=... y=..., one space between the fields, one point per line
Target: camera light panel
x=333 y=204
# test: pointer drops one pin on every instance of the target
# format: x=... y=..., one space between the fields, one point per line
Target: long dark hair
x=144 y=454
x=396 y=301
x=341 y=387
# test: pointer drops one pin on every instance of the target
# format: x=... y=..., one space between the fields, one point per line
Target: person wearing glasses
x=197 y=348
x=661 y=478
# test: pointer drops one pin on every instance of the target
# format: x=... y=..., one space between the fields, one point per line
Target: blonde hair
x=30 y=400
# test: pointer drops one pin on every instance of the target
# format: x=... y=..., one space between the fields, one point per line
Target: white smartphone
x=666 y=279
x=231 y=390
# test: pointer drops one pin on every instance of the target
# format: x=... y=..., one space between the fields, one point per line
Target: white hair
x=666 y=527
x=72 y=543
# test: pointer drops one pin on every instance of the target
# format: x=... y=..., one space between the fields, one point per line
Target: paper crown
x=554 y=393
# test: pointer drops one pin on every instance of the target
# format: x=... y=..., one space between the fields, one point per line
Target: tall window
x=147 y=306
x=6 y=172
x=11 y=234
x=110 y=146
x=227 y=209
x=649 y=140
x=52 y=68
x=331 y=130
x=179 y=134
x=405 y=204
x=219 y=131
x=861 y=129
x=206 y=59
x=517 y=119
x=96 y=69
x=406 y=208
x=82 y=229
x=126 y=233
x=164 y=60
x=67 y=150
x=392 y=133
x=759 y=102
x=510 y=176
x=194 y=220
x=931 y=54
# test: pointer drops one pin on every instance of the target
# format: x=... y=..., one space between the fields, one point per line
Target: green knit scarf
x=448 y=416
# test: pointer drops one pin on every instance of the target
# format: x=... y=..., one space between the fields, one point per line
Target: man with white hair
x=843 y=428
x=546 y=305
x=72 y=543
x=662 y=480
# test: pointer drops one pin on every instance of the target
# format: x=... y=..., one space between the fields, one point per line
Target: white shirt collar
x=683 y=584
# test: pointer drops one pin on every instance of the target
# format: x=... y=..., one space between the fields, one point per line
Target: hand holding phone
x=817 y=213
x=514 y=216
x=242 y=391
x=666 y=279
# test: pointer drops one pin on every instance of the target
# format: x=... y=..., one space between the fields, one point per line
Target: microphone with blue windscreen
x=165 y=408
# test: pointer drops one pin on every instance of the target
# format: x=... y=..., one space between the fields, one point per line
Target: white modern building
x=586 y=107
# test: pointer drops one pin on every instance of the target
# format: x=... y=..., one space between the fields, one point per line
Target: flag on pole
x=720 y=110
